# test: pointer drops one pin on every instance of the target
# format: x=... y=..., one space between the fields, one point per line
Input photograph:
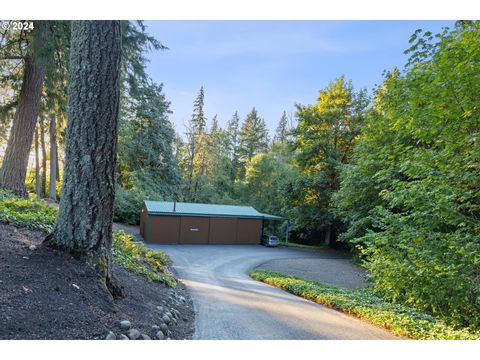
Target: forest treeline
x=394 y=174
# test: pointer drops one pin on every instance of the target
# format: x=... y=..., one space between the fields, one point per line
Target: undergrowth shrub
x=137 y=258
x=363 y=303
x=127 y=206
x=31 y=213
x=36 y=214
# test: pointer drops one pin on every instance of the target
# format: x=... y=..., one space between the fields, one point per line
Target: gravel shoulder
x=338 y=271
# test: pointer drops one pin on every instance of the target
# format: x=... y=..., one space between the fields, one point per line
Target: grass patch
x=362 y=303
x=36 y=214
x=303 y=246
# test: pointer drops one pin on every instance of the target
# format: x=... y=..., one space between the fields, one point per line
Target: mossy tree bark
x=84 y=225
x=14 y=166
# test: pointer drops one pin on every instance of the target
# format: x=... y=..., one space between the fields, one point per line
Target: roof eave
x=203 y=215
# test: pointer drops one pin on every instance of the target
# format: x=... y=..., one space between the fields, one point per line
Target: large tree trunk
x=14 y=167
x=53 y=159
x=43 y=172
x=84 y=225
x=37 y=165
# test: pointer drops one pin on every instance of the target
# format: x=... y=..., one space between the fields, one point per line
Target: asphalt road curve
x=230 y=305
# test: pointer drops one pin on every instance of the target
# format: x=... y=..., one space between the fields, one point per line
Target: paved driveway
x=230 y=305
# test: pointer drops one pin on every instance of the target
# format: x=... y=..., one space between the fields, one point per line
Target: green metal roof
x=192 y=209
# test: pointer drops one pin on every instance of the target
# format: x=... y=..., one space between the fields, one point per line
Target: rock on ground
x=111 y=336
x=47 y=291
x=133 y=334
x=125 y=325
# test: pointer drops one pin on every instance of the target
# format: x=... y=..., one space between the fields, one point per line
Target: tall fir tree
x=146 y=139
x=253 y=138
x=84 y=225
x=199 y=121
x=281 y=133
x=34 y=52
x=232 y=131
x=196 y=146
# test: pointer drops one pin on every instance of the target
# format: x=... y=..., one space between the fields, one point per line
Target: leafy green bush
x=32 y=213
x=411 y=199
x=136 y=258
x=127 y=206
x=363 y=303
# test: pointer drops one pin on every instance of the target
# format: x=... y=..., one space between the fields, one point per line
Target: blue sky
x=271 y=64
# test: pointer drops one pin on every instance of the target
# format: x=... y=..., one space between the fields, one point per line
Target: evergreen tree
x=196 y=146
x=84 y=225
x=146 y=143
x=136 y=42
x=148 y=168
x=281 y=132
x=215 y=127
x=199 y=121
x=253 y=138
x=33 y=51
x=218 y=186
x=232 y=145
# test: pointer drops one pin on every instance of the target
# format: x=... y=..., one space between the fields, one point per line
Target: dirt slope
x=47 y=294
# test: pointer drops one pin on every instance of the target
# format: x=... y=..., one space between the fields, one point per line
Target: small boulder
x=160 y=309
x=32 y=247
x=133 y=334
x=125 y=325
x=164 y=328
x=110 y=336
x=166 y=319
x=160 y=335
x=145 y=337
x=155 y=328
x=123 y=337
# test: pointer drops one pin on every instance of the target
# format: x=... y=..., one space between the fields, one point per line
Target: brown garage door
x=248 y=231
x=194 y=230
x=163 y=229
x=223 y=231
